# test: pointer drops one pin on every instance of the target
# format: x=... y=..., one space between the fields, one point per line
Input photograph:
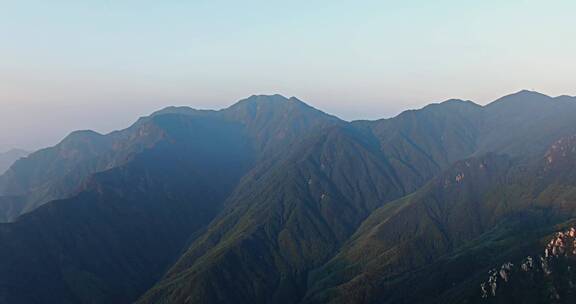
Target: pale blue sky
x=68 y=65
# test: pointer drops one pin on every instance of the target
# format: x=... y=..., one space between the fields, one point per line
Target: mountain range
x=273 y=201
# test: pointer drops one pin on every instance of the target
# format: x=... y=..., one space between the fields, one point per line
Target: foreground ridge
x=556 y=259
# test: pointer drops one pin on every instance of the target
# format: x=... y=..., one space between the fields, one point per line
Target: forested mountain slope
x=273 y=201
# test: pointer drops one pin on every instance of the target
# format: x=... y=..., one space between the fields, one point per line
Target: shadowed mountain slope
x=269 y=124
x=294 y=217
x=113 y=239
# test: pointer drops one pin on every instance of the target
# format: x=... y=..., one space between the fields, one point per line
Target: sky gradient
x=67 y=65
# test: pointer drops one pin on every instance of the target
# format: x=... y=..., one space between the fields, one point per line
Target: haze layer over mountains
x=9 y=157
x=273 y=201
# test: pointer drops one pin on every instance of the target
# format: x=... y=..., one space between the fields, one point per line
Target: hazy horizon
x=121 y=124
x=100 y=65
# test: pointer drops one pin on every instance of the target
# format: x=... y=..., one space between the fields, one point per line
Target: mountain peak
x=262 y=99
x=82 y=139
x=451 y=105
x=529 y=94
x=181 y=110
x=267 y=103
x=526 y=94
x=523 y=97
x=565 y=98
x=459 y=102
x=268 y=96
x=82 y=134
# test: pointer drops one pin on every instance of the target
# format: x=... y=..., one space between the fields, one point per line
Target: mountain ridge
x=8 y=158
x=297 y=200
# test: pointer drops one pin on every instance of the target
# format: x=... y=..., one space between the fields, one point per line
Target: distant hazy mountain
x=8 y=158
x=273 y=201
